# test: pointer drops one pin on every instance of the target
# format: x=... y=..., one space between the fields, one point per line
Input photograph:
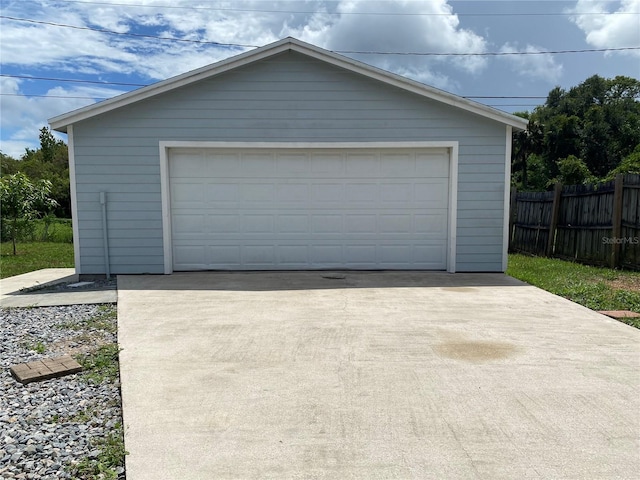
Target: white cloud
x=542 y=67
x=341 y=25
x=23 y=116
x=613 y=28
x=397 y=28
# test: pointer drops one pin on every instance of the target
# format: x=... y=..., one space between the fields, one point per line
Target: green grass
x=104 y=320
x=57 y=230
x=34 y=256
x=594 y=287
x=111 y=456
x=101 y=365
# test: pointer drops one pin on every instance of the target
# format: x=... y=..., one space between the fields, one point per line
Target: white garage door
x=280 y=209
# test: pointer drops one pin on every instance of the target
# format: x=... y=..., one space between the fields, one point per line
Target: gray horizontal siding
x=286 y=98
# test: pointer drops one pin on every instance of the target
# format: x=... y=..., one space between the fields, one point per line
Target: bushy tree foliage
x=21 y=200
x=49 y=162
x=581 y=133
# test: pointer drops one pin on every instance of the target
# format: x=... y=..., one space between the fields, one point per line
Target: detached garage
x=288 y=157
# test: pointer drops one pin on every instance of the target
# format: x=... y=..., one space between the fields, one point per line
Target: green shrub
x=50 y=229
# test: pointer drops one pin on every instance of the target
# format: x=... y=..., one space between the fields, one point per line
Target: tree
x=21 y=200
x=630 y=164
x=49 y=162
x=573 y=171
x=597 y=121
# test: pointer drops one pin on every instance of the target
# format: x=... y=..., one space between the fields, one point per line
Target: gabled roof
x=61 y=122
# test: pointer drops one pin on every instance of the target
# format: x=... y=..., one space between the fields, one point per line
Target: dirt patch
x=81 y=344
x=626 y=282
x=475 y=351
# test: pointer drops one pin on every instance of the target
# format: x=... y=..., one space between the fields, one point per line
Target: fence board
x=585 y=229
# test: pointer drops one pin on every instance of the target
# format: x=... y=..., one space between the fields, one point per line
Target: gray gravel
x=47 y=427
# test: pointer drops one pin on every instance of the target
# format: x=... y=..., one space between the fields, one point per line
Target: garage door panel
x=399 y=224
x=258 y=165
x=362 y=192
x=293 y=192
x=257 y=223
x=190 y=193
x=259 y=255
x=292 y=164
x=223 y=223
x=189 y=223
x=432 y=166
x=396 y=193
x=293 y=255
x=363 y=255
x=361 y=165
x=430 y=193
x=294 y=223
x=327 y=163
x=361 y=223
x=326 y=255
x=432 y=224
x=398 y=165
x=308 y=209
x=227 y=255
x=222 y=164
x=223 y=193
x=328 y=193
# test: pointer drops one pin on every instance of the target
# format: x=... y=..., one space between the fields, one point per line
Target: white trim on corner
x=166 y=209
x=453 y=207
x=74 y=200
x=507 y=198
x=165 y=146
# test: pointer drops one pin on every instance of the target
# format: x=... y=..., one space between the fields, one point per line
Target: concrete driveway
x=373 y=375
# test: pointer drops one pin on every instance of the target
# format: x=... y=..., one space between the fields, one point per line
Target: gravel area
x=49 y=428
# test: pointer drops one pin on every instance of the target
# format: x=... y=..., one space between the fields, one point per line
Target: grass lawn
x=594 y=287
x=34 y=256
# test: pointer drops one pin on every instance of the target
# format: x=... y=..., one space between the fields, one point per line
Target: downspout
x=105 y=236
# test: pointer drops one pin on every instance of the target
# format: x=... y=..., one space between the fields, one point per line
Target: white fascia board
x=507 y=198
x=74 y=201
x=60 y=122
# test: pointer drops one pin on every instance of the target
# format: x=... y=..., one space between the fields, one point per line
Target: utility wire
x=353 y=52
x=139 y=35
x=106 y=98
x=412 y=14
x=100 y=82
x=74 y=80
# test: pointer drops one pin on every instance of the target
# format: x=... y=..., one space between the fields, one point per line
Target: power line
x=78 y=80
x=29 y=95
x=352 y=52
x=138 y=35
x=49 y=96
x=74 y=80
x=430 y=14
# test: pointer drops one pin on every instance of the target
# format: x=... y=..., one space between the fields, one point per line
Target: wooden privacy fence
x=594 y=224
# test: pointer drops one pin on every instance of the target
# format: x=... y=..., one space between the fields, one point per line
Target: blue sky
x=112 y=41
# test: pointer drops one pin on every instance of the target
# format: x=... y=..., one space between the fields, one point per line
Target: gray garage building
x=288 y=157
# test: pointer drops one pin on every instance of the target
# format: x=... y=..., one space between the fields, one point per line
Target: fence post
x=616 y=221
x=512 y=213
x=553 y=224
